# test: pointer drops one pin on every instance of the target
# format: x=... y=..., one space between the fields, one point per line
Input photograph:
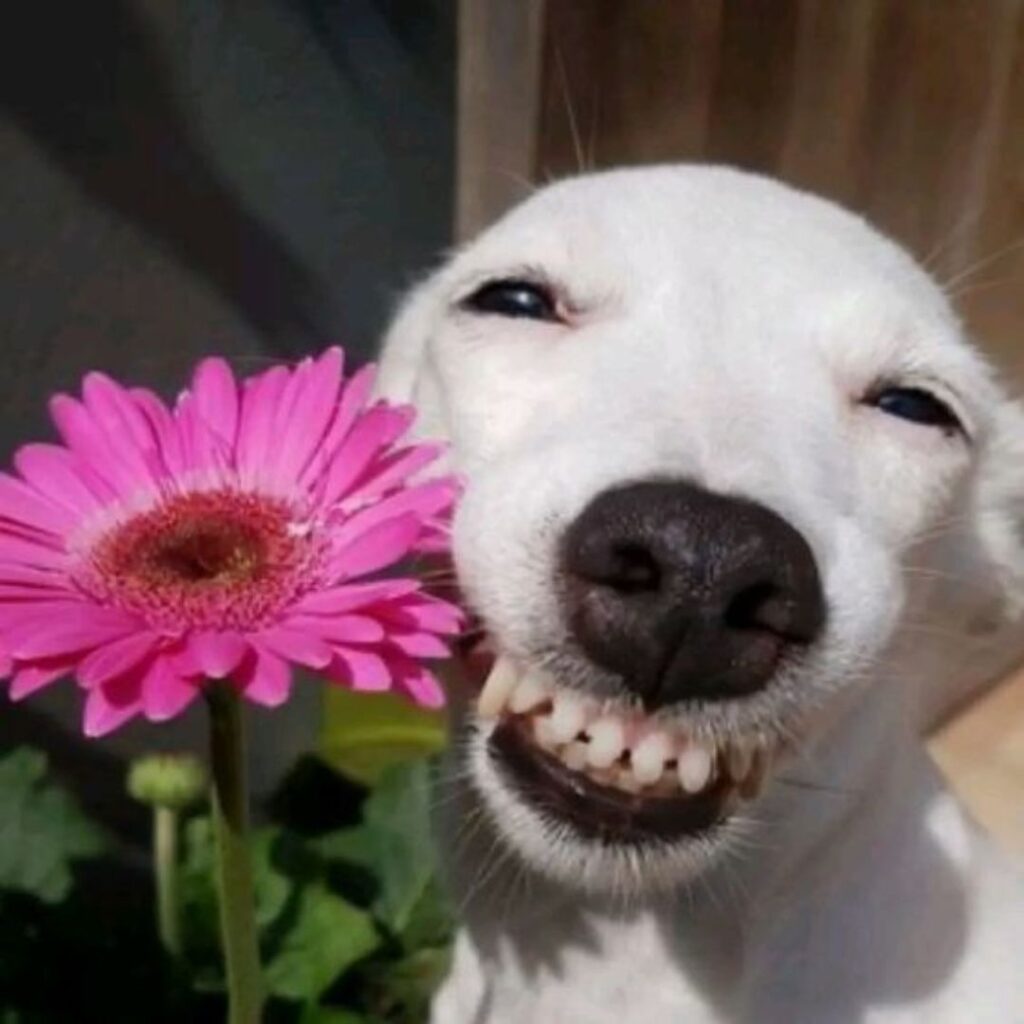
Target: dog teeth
x=694 y=767
x=626 y=779
x=498 y=688
x=607 y=741
x=568 y=717
x=574 y=756
x=750 y=787
x=649 y=756
x=543 y=732
x=626 y=752
x=527 y=695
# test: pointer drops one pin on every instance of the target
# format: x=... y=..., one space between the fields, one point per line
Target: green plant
x=353 y=927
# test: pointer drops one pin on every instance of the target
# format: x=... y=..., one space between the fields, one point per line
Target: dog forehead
x=682 y=232
x=732 y=269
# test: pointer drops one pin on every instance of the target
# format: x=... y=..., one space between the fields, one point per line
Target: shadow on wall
x=255 y=179
x=92 y=91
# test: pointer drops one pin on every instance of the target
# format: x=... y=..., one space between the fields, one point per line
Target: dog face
x=712 y=430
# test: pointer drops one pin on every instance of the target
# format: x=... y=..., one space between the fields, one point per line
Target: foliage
x=364 y=734
x=353 y=925
x=42 y=830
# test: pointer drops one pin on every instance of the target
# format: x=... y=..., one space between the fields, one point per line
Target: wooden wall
x=909 y=111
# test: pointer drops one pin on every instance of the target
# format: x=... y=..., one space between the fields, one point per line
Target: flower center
x=200 y=553
x=215 y=559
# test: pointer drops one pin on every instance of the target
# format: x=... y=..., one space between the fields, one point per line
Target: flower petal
x=24 y=552
x=115 y=658
x=420 y=645
x=165 y=692
x=56 y=474
x=349 y=596
x=215 y=654
x=294 y=645
x=30 y=678
x=360 y=670
x=216 y=400
x=378 y=547
x=109 y=706
x=24 y=504
x=265 y=678
x=345 y=629
x=394 y=469
x=422 y=685
x=423 y=612
x=423 y=501
x=353 y=399
x=374 y=431
x=260 y=397
x=62 y=627
x=304 y=414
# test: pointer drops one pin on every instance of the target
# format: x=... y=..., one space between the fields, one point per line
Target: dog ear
x=403 y=349
x=405 y=372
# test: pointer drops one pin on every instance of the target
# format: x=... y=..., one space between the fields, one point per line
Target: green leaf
x=42 y=829
x=431 y=922
x=365 y=734
x=328 y=936
x=394 y=843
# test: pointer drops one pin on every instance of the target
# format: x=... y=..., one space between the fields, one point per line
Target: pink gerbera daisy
x=237 y=534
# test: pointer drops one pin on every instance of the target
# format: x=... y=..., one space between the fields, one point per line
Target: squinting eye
x=513 y=297
x=916 y=405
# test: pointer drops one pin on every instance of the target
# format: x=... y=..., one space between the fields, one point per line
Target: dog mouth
x=614 y=774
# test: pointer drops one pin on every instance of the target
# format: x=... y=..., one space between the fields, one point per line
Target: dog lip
x=598 y=812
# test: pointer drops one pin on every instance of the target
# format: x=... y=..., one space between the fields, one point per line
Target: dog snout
x=687 y=594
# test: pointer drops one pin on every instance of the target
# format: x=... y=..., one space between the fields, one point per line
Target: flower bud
x=173 y=781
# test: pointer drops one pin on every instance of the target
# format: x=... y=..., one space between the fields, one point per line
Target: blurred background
x=262 y=177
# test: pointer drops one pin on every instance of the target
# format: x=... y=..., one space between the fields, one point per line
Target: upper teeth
x=622 y=750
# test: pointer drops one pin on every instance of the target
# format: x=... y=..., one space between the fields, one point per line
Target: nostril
x=760 y=606
x=634 y=569
x=769 y=608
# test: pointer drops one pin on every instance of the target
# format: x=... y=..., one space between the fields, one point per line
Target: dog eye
x=916 y=405
x=513 y=297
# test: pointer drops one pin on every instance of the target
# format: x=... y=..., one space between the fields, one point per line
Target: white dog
x=736 y=488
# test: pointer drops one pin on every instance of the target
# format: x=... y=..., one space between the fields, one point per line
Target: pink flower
x=231 y=537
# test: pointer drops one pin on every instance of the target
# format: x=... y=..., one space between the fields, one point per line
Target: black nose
x=688 y=594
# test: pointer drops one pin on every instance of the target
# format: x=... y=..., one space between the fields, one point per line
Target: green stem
x=234 y=869
x=165 y=858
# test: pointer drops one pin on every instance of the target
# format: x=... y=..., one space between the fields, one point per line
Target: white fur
x=724 y=329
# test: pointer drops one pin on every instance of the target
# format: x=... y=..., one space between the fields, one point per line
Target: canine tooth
x=607 y=740
x=750 y=787
x=497 y=689
x=568 y=717
x=694 y=767
x=527 y=695
x=739 y=757
x=574 y=756
x=649 y=756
